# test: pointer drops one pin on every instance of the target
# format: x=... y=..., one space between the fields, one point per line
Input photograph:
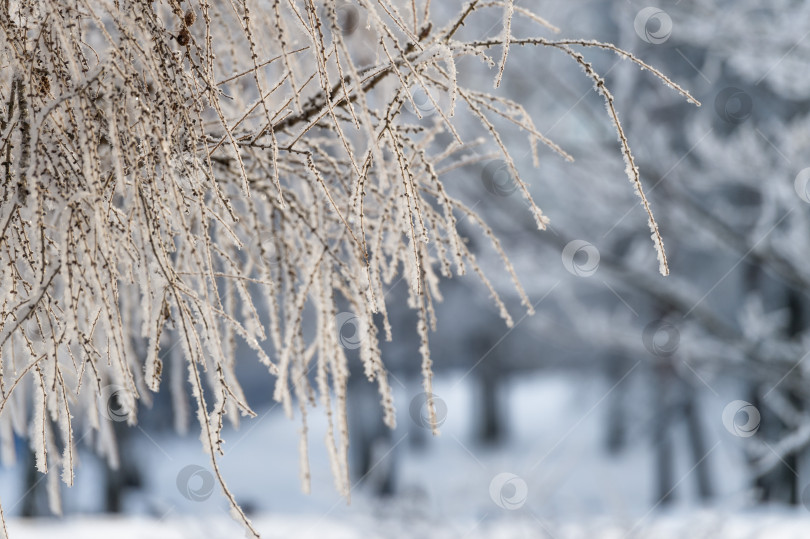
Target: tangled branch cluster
x=217 y=172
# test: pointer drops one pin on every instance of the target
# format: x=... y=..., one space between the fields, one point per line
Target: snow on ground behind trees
x=555 y=445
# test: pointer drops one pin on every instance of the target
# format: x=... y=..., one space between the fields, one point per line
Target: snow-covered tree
x=732 y=178
x=204 y=174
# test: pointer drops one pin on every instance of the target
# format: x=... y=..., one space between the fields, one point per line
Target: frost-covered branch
x=197 y=174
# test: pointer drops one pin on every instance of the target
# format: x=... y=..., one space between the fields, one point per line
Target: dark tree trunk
x=697 y=445
x=127 y=475
x=489 y=376
x=664 y=462
x=782 y=483
x=34 y=498
x=371 y=449
x=490 y=430
x=615 y=425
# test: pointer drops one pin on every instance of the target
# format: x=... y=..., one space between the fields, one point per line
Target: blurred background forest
x=630 y=404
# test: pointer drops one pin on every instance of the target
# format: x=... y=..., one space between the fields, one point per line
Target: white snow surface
x=554 y=444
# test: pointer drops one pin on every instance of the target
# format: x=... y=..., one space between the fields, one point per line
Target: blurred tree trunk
x=664 y=462
x=418 y=435
x=780 y=484
x=372 y=454
x=615 y=425
x=126 y=476
x=490 y=426
x=797 y=324
x=697 y=442
x=34 y=499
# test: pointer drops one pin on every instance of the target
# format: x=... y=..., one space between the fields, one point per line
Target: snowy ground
x=563 y=484
x=709 y=525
